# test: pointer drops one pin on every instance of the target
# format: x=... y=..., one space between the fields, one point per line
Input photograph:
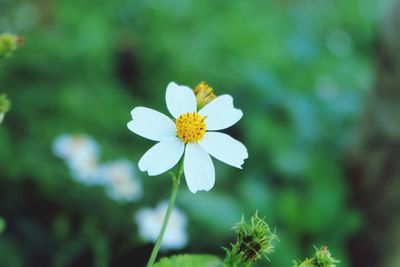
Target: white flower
x=85 y=170
x=120 y=181
x=70 y=147
x=150 y=222
x=192 y=134
x=81 y=154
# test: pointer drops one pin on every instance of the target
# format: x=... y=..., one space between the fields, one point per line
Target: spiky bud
x=254 y=241
x=9 y=43
x=322 y=258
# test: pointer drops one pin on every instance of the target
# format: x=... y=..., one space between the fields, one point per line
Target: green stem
x=176 y=181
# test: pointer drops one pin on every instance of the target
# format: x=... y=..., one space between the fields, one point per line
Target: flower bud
x=254 y=241
x=9 y=43
x=322 y=258
x=204 y=94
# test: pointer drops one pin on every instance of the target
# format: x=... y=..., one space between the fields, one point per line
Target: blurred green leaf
x=11 y=255
x=190 y=260
x=2 y=225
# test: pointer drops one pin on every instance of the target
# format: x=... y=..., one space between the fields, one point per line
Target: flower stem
x=176 y=179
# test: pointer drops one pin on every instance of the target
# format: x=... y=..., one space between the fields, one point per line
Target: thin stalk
x=176 y=179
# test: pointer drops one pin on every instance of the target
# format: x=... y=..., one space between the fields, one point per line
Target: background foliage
x=299 y=71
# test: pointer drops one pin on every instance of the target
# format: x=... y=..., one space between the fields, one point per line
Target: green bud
x=322 y=258
x=254 y=241
x=9 y=43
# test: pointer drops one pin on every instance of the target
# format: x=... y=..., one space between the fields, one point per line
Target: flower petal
x=162 y=156
x=198 y=168
x=224 y=148
x=180 y=99
x=220 y=113
x=151 y=124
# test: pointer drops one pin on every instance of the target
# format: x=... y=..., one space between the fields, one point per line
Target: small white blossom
x=85 y=170
x=81 y=154
x=150 y=222
x=192 y=135
x=73 y=146
x=120 y=180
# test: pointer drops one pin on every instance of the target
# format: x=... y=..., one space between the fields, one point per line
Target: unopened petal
x=180 y=99
x=220 y=113
x=198 y=168
x=162 y=156
x=224 y=148
x=151 y=124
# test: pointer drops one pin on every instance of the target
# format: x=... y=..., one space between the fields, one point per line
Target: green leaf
x=2 y=225
x=190 y=260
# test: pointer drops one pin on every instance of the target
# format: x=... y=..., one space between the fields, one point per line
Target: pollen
x=190 y=127
x=204 y=94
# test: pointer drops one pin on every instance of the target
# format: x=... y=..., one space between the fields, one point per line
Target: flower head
x=192 y=134
x=322 y=257
x=8 y=43
x=254 y=241
x=72 y=146
x=85 y=170
x=120 y=181
x=150 y=222
x=204 y=94
x=81 y=154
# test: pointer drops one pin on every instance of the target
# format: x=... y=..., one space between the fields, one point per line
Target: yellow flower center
x=204 y=94
x=190 y=127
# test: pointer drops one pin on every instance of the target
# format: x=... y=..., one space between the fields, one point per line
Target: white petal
x=180 y=99
x=224 y=148
x=151 y=124
x=162 y=156
x=198 y=168
x=220 y=113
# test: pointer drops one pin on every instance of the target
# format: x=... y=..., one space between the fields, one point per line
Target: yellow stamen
x=204 y=94
x=190 y=127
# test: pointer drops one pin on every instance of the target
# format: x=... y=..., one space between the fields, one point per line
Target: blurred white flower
x=73 y=146
x=81 y=154
x=150 y=222
x=85 y=170
x=120 y=181
x=191 y=135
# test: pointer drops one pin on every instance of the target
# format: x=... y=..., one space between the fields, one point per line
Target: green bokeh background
x=299 y=70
